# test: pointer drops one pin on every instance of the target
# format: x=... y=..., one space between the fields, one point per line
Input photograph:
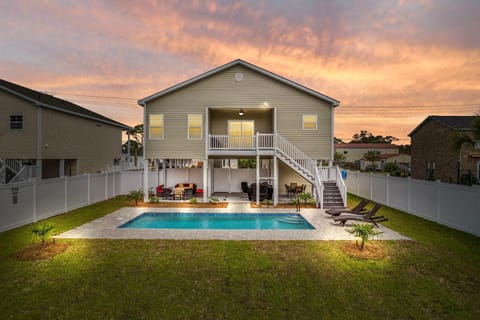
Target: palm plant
x=306 y=197
x=42 y=231
x=364 y=232
x=135 y=195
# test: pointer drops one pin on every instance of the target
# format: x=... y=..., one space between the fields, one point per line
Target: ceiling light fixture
x=241 y=112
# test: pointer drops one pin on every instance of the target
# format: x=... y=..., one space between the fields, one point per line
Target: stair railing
x=318 y=187
x=341 y=185
x=294 y=154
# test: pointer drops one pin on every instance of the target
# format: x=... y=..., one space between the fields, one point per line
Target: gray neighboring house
x=235 y=113
x=42 y=136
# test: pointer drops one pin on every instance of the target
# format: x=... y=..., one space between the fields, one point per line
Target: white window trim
x=188 y=126
x=150 y=127
x=10 y=121
x=316 y=121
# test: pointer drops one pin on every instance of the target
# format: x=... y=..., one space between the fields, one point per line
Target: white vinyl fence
x=452 y=205
x=27 y=202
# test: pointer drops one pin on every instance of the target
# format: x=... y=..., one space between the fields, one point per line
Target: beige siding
x=287 y=175
x=17 y=144
x=254 y=91
x=94 y=144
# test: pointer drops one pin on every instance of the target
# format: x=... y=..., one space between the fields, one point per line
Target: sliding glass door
x=240 y=134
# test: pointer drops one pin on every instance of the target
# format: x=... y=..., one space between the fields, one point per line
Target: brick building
x=433 y=154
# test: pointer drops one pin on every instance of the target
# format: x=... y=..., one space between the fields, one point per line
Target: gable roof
x=51 y=102
x=460 y=123
x=247 y=65
x=365 y=146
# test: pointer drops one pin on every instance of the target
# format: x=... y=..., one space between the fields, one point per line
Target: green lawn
x=437 y=276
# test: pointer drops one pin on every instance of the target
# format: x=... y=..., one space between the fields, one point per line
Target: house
x=238 y=123
x=433 y=154
x=44 y=136
x=354 y=152
x=402 y=160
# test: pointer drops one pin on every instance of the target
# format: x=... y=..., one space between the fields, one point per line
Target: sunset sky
x=390 y=63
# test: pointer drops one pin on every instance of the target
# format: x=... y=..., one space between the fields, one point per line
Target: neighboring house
x=233 y=114
x=44 y=136
x=433 y=155
x=354 y=152
x=402 y=160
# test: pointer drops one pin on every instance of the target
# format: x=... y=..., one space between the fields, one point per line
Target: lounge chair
x=369 y=217
x=356 y=210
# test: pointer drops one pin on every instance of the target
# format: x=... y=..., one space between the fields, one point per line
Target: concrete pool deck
x=325 y=229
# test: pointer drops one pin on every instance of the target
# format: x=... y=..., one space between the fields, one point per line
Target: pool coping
x=325 y=229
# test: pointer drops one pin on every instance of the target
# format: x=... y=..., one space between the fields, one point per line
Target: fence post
x=357 y=175
x=387 y=189
x=106 y=185
x=409 y=194
x=65 y=192
x=371 y=186
x=34 y=199
x=88 y=188
x=113 y=185
x=437 y=200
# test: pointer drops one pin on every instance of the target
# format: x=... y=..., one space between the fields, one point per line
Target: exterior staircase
x=12 y=170
x=295 y=159
x=332 y=198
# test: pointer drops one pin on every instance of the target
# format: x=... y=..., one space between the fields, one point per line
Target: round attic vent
x=238 y=76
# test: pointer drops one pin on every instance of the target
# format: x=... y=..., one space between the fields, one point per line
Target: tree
x=363 y=232
x=458 y=140
x=42 y=231
x=367 y=137
x=136 y=195
x=337 y=140
x=372 y=155
x=339 y=157
x=405 y=148
x=136 y=144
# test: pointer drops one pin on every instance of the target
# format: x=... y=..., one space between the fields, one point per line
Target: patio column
x=206 y=189
x=257 y=196
x=275 y=180
x=145 y=180
x=164 y=173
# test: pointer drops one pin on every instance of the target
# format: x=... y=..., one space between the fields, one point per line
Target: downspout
x=145 y=160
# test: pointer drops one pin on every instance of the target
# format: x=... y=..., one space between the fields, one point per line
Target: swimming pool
x=229 y=221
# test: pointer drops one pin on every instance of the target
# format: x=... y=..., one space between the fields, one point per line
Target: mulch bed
x=371 y=251
x=41 y=252
x=172 y=204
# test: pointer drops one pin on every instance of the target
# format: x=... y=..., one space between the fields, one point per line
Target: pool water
x=229 y=221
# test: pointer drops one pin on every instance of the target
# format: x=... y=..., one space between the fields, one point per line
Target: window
x=194 y=126
x=16 y=121
x=309 y=122
x=156 y=126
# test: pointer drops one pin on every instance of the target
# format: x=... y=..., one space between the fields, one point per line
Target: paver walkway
x=325 y=229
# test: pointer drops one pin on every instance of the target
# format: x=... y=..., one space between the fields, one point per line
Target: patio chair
x=369 y=217
x=244 y=187
x=356 y=210
x=167 y=193
x=187 y=193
